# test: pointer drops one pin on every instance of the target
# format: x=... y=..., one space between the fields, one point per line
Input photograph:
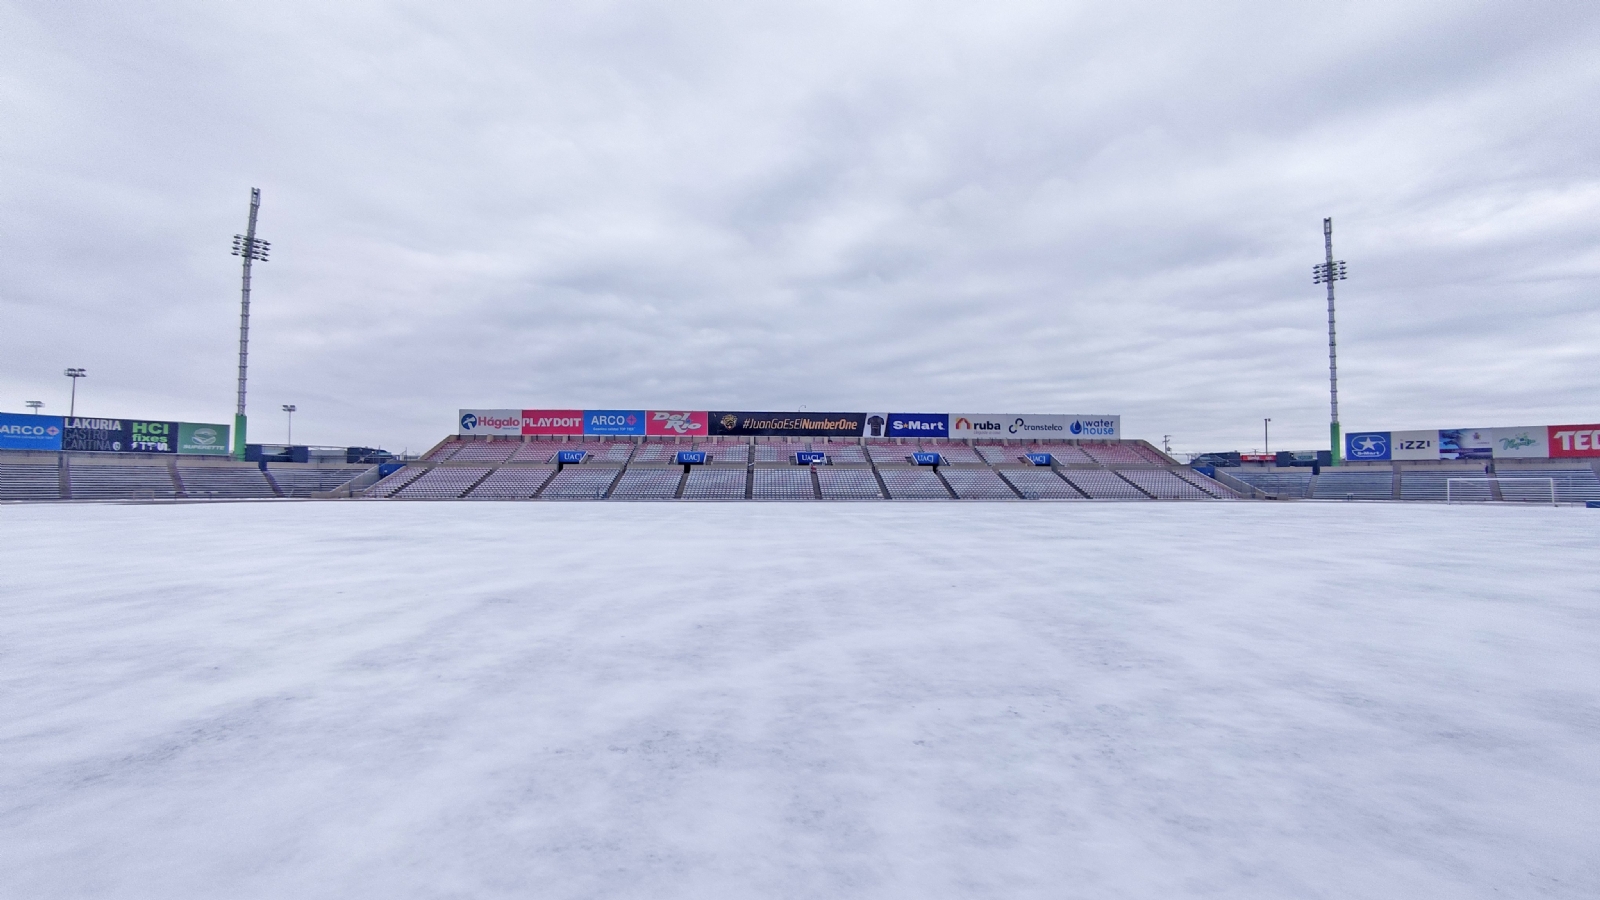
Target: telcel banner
x=1567 y=441
x=29 y=432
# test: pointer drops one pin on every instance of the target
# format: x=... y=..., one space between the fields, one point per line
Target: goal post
x=1494 y=488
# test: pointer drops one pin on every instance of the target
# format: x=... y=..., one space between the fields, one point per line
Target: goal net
x=1490 y=488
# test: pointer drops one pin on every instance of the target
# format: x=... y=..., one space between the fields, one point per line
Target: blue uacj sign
x=1040 y=459
x=613 y=421
x=925 y=459
x=29 y=432
x=933 y=425
x=570 y=456
x=1367 y=445
x=810 y=457
x=691 y=457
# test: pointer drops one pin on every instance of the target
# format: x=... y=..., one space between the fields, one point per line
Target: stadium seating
x=783 y=484
x=1041 y=484
x=512 y=483
x=1353 y=484
x=444 y=450
x=848 y=484
x=953 y=453
x=890 y=453
x=843 y=454
x=303 y=481
x=581 y=483
x=1291 y=483
x=30 y=482
x=225 y=482
x=1211 y=487
x=649 y=484
x=387 y=485
x=978 y=484
x=1572 y=485
x=120 y=482
x=1121 y=454
x=485 y=451
x=1164 y=485
x=1099 y=484
x=443 y=483
x=920 y=483
x=706 y=483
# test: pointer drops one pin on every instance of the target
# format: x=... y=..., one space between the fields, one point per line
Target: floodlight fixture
x=290 y=408
x=75 y=374
x=34 y=405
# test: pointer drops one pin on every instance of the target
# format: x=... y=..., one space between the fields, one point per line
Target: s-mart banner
x=1569 y=441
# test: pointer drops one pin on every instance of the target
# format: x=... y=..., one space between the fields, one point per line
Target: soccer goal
x=1487 y=489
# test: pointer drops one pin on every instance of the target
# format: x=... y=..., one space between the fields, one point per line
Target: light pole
x=75 y=374
x=1266 y=436
x=246 y=246
x=289 y=408
x=1327 y=273
x=34 y=405
x=1166 y=444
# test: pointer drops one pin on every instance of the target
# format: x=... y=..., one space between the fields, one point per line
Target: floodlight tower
x=74 y=374
x=246 y=246
x=290 y=408
x=1327 y=273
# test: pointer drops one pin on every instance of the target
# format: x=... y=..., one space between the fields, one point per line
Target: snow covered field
x=803 y=700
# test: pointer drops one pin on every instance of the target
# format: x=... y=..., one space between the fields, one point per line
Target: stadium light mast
x=74 y=374
x=246 y=246
x=290 y=408
x=34 y=405
x=1327 y=273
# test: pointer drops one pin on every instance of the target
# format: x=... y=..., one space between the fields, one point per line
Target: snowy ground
x=745 y=700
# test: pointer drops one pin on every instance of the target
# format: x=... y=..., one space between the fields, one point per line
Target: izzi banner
x=29 y=432
x=789 y=424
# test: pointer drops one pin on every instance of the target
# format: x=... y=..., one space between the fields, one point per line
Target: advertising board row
x=678 y=423
x=80 y=433
x=1531 y=442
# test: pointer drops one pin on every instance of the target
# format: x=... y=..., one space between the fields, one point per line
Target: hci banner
x=18 y=432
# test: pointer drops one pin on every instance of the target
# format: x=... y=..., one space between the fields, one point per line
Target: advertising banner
x=930 y=425
x=925 y=459
x=1362 y=446
x=613 y=421
x=1029 y=426
x=670 y=423
x=152 y=437
x=200 y=439
x=95 y=435
x=788 y=424
x=1040 y=459
x=490 y=421
x=810 y=458
x=1412 y=445
x=30 y=432
x=1568 y=441
x=552 y=421
x=691 y=457
x=1520 y=443
x=1465 y=443
x=570 y=456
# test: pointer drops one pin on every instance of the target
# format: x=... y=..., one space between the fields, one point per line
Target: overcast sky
x=1051 y=207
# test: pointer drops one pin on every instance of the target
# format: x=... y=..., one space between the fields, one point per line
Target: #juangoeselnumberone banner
x=694 y=423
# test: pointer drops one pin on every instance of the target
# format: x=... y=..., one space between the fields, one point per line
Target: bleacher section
x=443 y=483
x=30 y=482
x=580 y=483
x=1164 y=485
x=1353 y=484
x=485 y=451
x=783 y=484
x=1572 y=485
x=848 y=484
x=392 y=482
x=978 y=484
x=1291 y=483
x=1041 y=484
x=714 y=484
x=649 y=484
x=120 y=482
x=920 y=483
x=304 y=481
x=512 y=483
x=1100 y=484
x=225 y=483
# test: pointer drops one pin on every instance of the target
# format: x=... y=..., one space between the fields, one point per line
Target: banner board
x=925 y=459
x=499 y=422
x=1570 y=441
x=1520 y=443
x=552 y=421
x=670 y=423
x=1412 y=445
x=613 y=421
x=691 y=457
x=203 y=440
x=570 y=456
x=152 y=437
x=1465 y=443
x=1366 y=446
x=788 y=424
x=81 y=433
x=810 y=458
x=1028 y=426
x=929 y=425
x=1040 y=459
x=29 y=432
